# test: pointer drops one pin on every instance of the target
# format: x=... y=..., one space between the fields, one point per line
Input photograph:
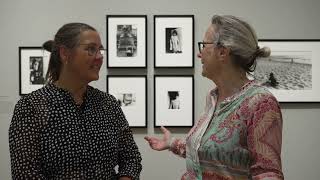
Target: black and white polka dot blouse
x=50 y=137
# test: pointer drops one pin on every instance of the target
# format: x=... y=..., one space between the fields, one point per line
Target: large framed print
x=131 y=94
x=174 y=41
x=173 y=103
x=291 y=72
x=126 y=41
x=33 y=66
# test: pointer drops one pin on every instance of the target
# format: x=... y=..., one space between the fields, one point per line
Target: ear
x=224 y=53
x=64 y=54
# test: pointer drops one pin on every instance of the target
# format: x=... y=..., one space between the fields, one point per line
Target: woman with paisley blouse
x=240 y=132
x=68 y=129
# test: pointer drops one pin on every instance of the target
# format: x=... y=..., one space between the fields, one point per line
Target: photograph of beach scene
x=285 y=70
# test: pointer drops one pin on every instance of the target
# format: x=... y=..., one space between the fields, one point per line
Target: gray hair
x=241 y=38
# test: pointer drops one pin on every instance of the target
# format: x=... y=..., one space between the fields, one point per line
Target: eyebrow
x=92 y=43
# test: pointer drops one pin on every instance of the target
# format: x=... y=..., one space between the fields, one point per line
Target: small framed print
x=33 y=66
x=131 y=94
x=173 y=103
x=174 y=41
x=126 y=41
x=291 y=72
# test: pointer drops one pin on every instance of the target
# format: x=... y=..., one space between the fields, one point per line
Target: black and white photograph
x=126 y=39
x=126 y=99
x=33 y=66
x=36 y=70
x=285 y=70
x=173 y=41
x=131 y=95
x=173 y=100
x=289 y=72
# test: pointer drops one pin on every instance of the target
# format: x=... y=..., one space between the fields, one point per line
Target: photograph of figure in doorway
x=126 y=99
x=173 y=40
x=36 y=70
x=174 y=100
x=126 y=40
x=285 y=70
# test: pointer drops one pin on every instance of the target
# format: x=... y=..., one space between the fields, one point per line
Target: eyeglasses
x=93 y=50
x=202 y=45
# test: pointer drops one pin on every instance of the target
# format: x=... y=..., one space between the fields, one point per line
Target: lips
x=97 y=64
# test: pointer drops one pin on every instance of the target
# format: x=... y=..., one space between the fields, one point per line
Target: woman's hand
x=159 y=144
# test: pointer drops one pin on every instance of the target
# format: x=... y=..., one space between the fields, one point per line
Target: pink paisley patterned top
x=238 y=139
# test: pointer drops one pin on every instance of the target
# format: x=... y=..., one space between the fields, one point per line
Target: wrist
x=169 y=145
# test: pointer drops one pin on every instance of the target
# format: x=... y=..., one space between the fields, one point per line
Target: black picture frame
x=33 y=66
x=126 y=41
x=174 y=41
x=131 y=93
x=292 y=70
x=174 y=100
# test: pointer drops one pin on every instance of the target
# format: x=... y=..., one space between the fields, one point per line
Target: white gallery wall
x=32 y=22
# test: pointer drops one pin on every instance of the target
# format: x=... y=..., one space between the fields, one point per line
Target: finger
x=147 y=138
x=164 y=130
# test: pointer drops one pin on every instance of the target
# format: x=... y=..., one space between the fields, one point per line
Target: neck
x=229 y=84
x=76 y=88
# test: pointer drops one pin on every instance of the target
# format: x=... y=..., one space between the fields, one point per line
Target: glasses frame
x=90 y=53
x=202 y=44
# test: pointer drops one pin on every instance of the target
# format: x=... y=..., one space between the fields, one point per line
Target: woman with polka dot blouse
x=68 y=129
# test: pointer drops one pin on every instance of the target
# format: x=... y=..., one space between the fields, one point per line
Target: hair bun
x=264 y=52
x=48 y=45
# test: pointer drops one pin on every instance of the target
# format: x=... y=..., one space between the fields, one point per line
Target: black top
x=50 y=137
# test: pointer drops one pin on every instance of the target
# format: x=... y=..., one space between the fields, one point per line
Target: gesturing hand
x=159 y=144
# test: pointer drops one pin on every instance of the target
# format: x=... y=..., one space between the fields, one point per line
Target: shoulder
x=32 y=97
x=43 y=95
x=99 y=95
x=259 y=93
x=259 y=103
x=259 y=97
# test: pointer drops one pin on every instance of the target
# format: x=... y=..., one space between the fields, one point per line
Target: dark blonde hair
x=241 y=38
x=67 y=36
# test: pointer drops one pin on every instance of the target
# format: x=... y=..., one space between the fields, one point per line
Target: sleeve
x=178 y=147
x=129 y=157
x=24 y=132
x=265 y=139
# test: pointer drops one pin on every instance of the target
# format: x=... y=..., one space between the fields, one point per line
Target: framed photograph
x=33 y=66
x=174 y=41
x=131 y=94
x=126 y=41
x=291 y=72
x=173 y=103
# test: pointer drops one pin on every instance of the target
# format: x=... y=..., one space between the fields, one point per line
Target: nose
x=199 y=55
x=99 y=55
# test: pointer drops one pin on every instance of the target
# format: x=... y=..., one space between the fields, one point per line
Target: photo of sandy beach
x=285 y=70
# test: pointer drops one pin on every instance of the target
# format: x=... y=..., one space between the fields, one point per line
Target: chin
x=94 y=78
x=204 y=74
